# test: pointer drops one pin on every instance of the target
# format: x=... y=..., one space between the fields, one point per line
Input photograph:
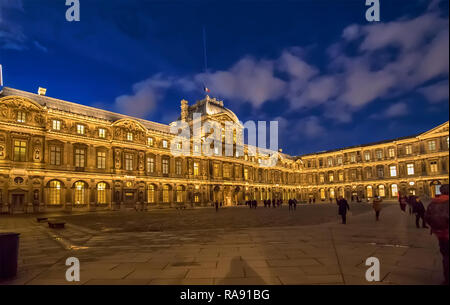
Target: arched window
x=381 y=191
x=369 y=191
x=55 y=192
x=331 y=193
x=394 y=190
x=165 y=193
x=151 y=193
x=101 y=192
x=322 y=193
x=79 y=192
x=180 y=193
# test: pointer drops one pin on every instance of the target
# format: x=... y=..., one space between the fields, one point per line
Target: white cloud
x=249 y=80
x=396 y=110
x=146 y=95
x=436 y=93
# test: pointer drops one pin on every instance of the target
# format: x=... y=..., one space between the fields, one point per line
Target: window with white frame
x=101 y=133
x=393 y=170
x=410 y=168
x=56 y=125
x=408 y=149
x=21 y=116
x=80 y=129
x=367 y=155
x=165 y=144
x=391 y=152
x=129 y=136
x=432 y=145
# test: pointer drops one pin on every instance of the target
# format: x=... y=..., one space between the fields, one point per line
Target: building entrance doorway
x=18 y=201
x=129 y=198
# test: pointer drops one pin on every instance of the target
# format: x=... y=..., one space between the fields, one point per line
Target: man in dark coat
x=343 y=207
x=419 y=210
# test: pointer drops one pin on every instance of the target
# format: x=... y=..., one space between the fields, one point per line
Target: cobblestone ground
x=232 y=246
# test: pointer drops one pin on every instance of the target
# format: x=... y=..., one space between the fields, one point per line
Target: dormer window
x=21 y=117
x=165 y=144
x=80 y=129
x=129 y=136
x=150 y=141
x=101 y=133
x=56 y=125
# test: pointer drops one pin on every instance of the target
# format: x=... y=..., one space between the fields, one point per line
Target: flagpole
x=205 y=62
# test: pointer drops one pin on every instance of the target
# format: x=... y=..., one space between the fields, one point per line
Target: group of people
x=275 y=203
x=416 y=207
x=292 y=204
x=343 y=207
x=436 y=215
x=252 y=203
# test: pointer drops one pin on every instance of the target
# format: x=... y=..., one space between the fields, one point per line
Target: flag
x=206 y=89
x=1 y=76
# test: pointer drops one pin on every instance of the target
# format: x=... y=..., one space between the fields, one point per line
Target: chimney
x=184 y=110
x=42 y=91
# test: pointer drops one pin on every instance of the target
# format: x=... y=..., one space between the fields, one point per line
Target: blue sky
x=328 y=76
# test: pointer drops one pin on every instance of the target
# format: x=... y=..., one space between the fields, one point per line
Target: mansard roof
x=443 y=126
x=69 y=107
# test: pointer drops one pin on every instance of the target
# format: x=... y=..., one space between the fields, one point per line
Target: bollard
x=9 y=252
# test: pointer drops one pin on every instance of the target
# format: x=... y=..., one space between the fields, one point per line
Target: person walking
x=419 y=210
x=437 y=216
x=342 y=209
x=216 y=203
x=295 y=204
x=403 y=202
x=376 y=205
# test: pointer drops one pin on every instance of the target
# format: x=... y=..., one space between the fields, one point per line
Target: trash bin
x=9 y=252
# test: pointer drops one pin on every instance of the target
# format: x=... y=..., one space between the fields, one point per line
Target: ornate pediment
x=21 y=103
x=125 y=126
x=130 y=125
x=439 y=130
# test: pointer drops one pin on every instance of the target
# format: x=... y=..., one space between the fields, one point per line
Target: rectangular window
x=79 y=157
x=196 y=169
x=216 y=172
x=330 y=162
x=80 y=129
x=367 y=156
x=245 y=173
x=226 y=171
x=128 y=162
x=331 y=177
x=165 y=166
x=55 y=155
x=196 y=148
x=56 y=125
x=380 y=172
x=341 y=176
x=21 y=117
x=150 y=141
x=165 y=144
x=410 y=168
x=150 y=164
x=321 y=178
x=432 y=145
x=391 y=152
x=393 y=170
x=101 y=133
x=433 y=166
x=129 y=136
x=339 y=160
x=408 y=149
x=20 y=150
x=352 y=158
x=379 y=154
x=178 y=167
x=101 y=159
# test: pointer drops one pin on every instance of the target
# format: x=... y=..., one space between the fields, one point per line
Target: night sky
x=328 y=76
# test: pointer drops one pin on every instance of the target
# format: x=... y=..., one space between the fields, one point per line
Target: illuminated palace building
x=58 y=155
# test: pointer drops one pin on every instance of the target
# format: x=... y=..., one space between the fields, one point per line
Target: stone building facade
x=58 y=155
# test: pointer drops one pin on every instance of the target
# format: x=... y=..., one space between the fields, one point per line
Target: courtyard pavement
x=326 y=253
